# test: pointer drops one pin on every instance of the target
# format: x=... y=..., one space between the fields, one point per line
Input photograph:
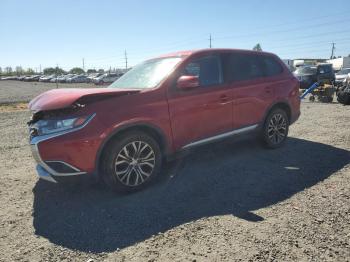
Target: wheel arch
x=282 y=105
x=152 y=130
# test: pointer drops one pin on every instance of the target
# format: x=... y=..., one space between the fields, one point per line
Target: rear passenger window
x=272 y=67
x=239 y=67
x=208 y=70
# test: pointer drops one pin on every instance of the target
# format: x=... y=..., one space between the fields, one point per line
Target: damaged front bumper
x=54 y=170
x=51 y=170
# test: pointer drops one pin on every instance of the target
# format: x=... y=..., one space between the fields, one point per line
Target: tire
x=275 y=129
x=131 y=162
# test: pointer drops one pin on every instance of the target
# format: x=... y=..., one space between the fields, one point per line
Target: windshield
x=305 y=70
x=147 y=74
x=344 y=71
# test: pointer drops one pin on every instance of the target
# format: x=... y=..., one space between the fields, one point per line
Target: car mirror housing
x=187 y=82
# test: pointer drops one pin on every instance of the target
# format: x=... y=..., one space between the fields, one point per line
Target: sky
x=45 y=33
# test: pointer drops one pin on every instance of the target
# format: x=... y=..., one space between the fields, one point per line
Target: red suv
x=124 y=132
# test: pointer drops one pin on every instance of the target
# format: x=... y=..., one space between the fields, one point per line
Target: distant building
x=308 y=61
x=340 y=63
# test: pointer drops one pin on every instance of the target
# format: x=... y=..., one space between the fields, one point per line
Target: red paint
x=64 y=97
x=180 y=116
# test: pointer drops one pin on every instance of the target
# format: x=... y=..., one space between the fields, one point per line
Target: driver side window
x=207 y=69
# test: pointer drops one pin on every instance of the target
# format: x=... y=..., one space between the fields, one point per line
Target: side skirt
x=221 y=136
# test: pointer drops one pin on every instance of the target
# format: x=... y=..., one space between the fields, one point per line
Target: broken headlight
x=49 y=126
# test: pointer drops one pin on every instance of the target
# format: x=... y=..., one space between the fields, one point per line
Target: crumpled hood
x=65 y=97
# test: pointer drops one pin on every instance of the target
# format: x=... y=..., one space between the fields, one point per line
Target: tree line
x=18 y=70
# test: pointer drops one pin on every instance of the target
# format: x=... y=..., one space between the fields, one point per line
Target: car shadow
x=228 y=178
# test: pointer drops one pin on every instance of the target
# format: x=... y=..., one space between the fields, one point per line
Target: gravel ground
x=18 y=91
x=225 y=202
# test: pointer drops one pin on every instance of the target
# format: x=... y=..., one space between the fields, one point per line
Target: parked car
x=21 y=78
x=63 y=78
x=31 y=78
x=106 y=78
x=307 y=75
x=122 y=133
x=77 y=79
x=54 y=79
x=92 y=76
x=9 y=78
x=46 y=78
x=341 y=76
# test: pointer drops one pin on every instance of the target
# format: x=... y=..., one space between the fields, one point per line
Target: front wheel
x=131 y=162
x=275 y=130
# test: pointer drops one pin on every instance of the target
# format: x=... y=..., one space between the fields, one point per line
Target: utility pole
x=56 y=75
x=333 y=48
x=40 y=69
x=84 y=64
x=126 y=60
x=210 y=41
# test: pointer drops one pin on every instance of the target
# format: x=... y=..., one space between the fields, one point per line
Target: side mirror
x=187 y=82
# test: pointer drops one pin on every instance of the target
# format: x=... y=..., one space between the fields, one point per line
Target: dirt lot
x=229 y=201
x=18 y=91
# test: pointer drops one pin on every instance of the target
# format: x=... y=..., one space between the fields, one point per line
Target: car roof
x=211 y=50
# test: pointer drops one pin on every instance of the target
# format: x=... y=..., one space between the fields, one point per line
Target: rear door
x=202 y=112
x=253 y=91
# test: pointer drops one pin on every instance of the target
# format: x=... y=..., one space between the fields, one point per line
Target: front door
x=202 y=112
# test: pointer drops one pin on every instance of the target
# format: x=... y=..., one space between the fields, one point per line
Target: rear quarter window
x=271 y=66
x=240 y=67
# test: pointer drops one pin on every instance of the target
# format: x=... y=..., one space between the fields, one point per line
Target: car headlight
x=49 y=126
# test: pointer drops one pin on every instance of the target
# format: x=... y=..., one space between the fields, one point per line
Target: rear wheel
x=131 y=162
x=275 y=130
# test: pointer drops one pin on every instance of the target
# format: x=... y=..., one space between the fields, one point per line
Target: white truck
x=340 y=63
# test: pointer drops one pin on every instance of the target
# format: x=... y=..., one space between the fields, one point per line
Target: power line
x=282 y=31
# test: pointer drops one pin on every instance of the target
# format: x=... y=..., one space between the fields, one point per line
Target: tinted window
x=324 y=69
x=305 y=70
x=240 y=67
x=208 y=70
x=272 y=67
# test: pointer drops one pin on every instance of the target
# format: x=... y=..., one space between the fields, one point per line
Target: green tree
x=0 y=71
x=257 y=47
x=101 y=71
x=53 y=71
x=8 y=70
x=19 y=70
x=29 y=71
x=77 y=70
x=90 y=71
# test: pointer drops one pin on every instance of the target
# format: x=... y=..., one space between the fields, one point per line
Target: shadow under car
x=231 y=177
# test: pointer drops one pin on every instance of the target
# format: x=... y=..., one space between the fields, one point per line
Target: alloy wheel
x=135 y=163
x=277 y=129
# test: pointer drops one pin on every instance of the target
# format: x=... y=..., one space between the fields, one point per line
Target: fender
x=134 y=123
x=283 y=102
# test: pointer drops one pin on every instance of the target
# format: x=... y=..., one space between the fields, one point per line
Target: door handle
x=223 y=98
x=268 y=90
